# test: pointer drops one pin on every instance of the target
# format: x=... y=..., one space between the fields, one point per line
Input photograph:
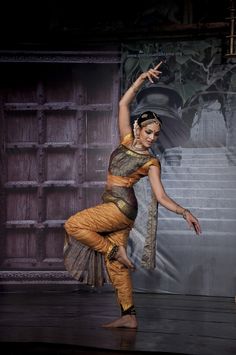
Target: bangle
x=176 y=211
x=184 y=213
x=135 y=89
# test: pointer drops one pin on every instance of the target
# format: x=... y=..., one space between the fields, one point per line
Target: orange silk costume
x=92 y=233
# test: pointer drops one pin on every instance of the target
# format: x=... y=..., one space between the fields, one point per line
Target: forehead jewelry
x=151 y=120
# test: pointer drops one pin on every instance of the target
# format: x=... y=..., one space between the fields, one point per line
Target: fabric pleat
x=84 y=264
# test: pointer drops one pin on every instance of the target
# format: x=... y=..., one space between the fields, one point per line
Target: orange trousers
x=86 y=227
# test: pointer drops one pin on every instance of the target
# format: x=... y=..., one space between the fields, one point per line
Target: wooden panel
x=21 y=127
x=21 y=244
x=97 y=164
x=92 y=196
x=98 y=79
x=98 y=129
x=61 y=204
x=61 y=127
x=59 y=84
x=19 y=83
x=21 y=205
x=22 y=166
x=54 y=241
x=60 y=165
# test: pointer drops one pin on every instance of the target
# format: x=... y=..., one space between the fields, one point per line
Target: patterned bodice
x=126 y=167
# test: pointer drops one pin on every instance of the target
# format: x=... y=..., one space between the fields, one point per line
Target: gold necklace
x=135 y=148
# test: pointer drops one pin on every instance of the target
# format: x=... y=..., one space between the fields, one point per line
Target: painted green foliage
x=197 y=70
x=190 y=66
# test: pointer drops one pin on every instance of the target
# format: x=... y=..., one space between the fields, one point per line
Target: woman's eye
x=155 y=134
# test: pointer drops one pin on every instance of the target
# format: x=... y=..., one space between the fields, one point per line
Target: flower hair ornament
x=147 y=118
x=135 y=129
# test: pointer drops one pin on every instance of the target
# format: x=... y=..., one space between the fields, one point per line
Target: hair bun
x=148 y=115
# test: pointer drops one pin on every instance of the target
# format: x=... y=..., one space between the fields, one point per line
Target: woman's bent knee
x=70 y=225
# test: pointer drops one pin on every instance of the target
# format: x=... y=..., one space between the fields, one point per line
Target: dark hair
x=148 y=115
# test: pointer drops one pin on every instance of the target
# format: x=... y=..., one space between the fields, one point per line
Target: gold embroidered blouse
x=126 y=167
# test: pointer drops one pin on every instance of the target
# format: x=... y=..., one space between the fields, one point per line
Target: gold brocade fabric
x=90 y=236
x=126 y=167
x=149 y=251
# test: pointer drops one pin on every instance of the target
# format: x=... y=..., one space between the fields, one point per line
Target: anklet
x=131 y=311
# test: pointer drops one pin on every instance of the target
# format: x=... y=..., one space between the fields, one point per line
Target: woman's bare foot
x=127 y=321
x=122 y=257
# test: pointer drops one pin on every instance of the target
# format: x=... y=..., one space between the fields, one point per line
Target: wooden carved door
x=58 y=128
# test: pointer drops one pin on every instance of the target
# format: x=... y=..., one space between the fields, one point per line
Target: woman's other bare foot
x=122 y=257
x=127 y=321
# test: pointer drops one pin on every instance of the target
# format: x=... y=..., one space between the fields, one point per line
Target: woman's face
x=149 y=134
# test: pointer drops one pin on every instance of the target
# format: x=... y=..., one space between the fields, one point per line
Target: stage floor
x=67 y=320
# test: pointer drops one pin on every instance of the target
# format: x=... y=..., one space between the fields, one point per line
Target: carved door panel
x=58 y=128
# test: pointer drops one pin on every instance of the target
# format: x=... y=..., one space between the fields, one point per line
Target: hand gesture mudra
x=152 y=73
x=192 y=222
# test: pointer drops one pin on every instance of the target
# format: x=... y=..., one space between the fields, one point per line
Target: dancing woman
x=104 y=229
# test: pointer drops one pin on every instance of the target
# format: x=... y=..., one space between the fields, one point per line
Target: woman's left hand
x=193 y=222
x=152 y=74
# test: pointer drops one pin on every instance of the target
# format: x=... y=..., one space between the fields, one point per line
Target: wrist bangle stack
x=184 y=213
x=177 y=211
x=135 y=89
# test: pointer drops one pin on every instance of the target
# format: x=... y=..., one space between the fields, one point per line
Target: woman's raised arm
x=129 y=95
